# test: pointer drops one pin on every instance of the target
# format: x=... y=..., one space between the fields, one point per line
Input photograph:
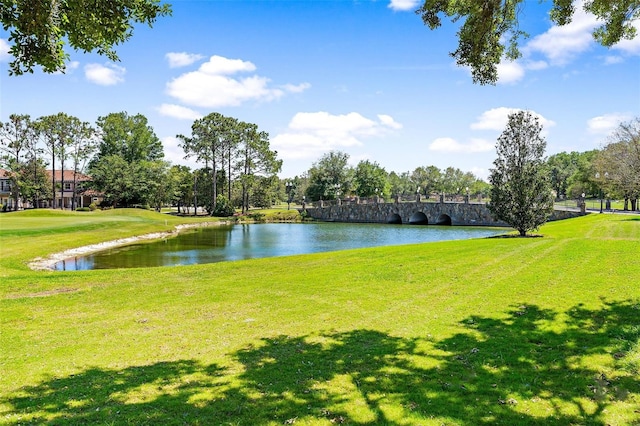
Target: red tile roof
x=68 y=176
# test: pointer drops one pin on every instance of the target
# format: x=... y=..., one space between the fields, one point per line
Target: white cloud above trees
x=450 y=145
x=310 y=134
x=606 y=123
x=108 y=74
x=497 y=118
x=182 y=59
x=219 y=82
x=404 y=5
x=178 y=111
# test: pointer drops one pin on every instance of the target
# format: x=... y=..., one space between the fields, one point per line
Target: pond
x=235 y=242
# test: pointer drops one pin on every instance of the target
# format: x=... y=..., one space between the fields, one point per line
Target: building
x=65 y=190
x=5 y=190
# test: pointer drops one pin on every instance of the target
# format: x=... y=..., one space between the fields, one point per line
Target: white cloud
x=213 y=85
x=536 y=65
x=452 y=145
x=480 y=173
x=605 y=124
x=175 y=154
x=104 y=75
x=510 y=72
x=179 y=112
x=312 y=133
x=73 y=65
x=219 y=65
x=404 y=5
x=612 y=60
x=388 y=121
x=296 y=88
x=560 y=44
x=496 y=119
x=182 y=59
x=4 y=50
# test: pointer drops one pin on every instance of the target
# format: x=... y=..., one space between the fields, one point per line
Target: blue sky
x=363 y=77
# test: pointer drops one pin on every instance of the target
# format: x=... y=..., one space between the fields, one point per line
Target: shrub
x=93 y=206
x=223 y=207
x=258 y=217
x=285 y=216
x=83 y=209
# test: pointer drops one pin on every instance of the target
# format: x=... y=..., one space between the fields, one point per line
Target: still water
x=234 y=242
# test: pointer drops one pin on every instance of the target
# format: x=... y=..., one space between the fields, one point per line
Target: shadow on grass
x=498 y=371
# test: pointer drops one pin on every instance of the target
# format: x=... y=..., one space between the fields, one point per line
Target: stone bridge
x=416 y=213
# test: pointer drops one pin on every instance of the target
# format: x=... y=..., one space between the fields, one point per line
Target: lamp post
x=288 y=188
x=467 y=191
x=418 y=194
x=336 y=189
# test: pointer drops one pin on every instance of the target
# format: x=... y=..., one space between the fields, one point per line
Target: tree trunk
x=53 y=180
x=73 y=196
x=229 y=176
x=195 y=196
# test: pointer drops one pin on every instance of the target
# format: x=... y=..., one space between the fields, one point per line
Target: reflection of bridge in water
x=414 y=212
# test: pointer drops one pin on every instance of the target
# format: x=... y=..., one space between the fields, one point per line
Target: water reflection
x=235 y=242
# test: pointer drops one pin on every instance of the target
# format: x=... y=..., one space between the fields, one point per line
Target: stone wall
x=469 y=214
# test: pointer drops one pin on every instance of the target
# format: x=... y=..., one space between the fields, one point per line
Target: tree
x=160 y=186
x=491 y=32
x=258 y=165
x=39 y=30
x=212 y=141
x=400 y=184
x=182 y=186
x=127 y=184
x=562 y=167
x=128 y=136
x=329 y=176
x=582 y=179
x=521 y=194
x=31 y=177
x=82 y=147
x=619 y=161
x=128 y=166
x=370 y=179
x=455 y=181
x=15 y=137
x=57 y=132
x=427 y=180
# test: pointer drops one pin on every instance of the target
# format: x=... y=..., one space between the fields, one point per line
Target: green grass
x=510 y=331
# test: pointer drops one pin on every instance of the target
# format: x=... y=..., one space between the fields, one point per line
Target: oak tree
x=490 y=29
x=40 y=29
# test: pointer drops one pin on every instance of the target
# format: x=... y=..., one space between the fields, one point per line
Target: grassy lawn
x=535 y=331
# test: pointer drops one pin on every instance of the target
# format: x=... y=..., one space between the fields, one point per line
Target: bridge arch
x=394 y=218
x=444 y=219
x=418 y=218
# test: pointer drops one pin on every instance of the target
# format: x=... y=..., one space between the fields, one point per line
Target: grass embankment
x=494 y=331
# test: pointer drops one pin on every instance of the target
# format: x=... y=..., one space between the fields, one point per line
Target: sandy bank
x=47 y=264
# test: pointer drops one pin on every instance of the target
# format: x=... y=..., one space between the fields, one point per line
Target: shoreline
x=47 y=263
